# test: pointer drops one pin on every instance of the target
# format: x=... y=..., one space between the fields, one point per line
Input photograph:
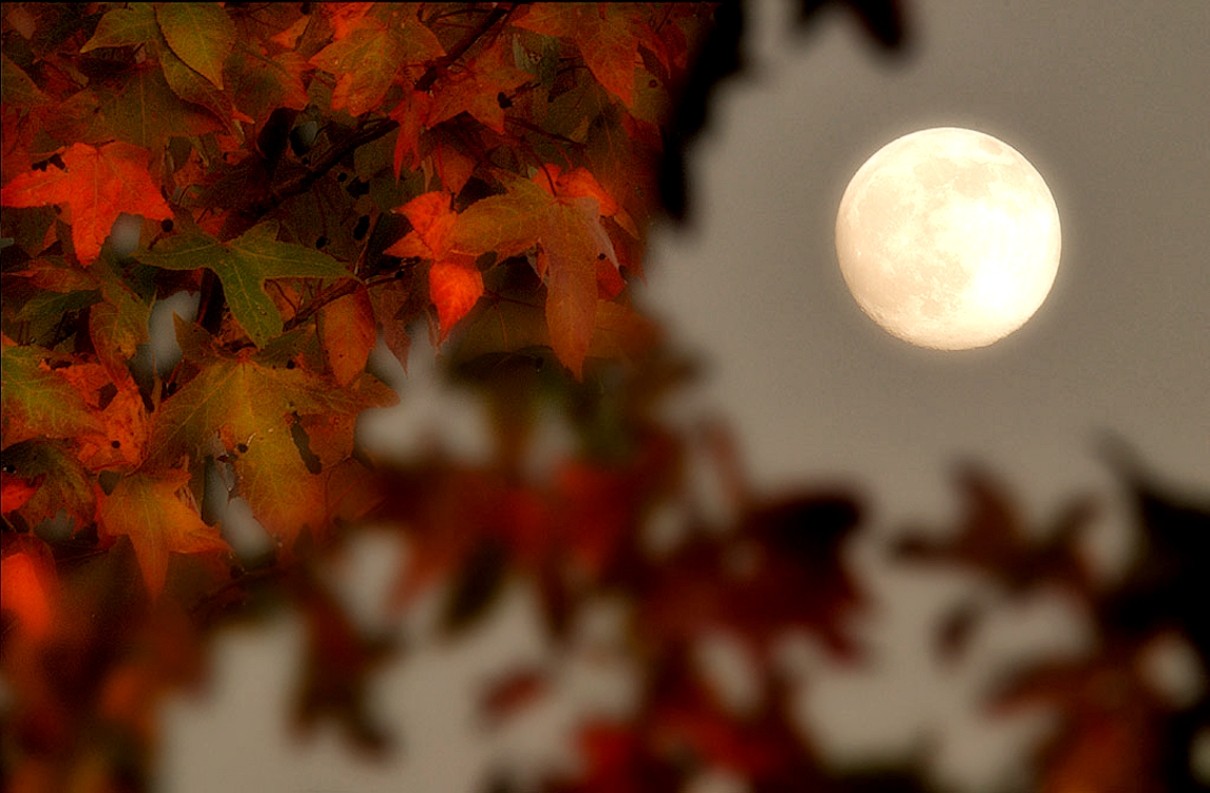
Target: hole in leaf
x=166 y=225
x=303 y=443
x=115 y=444
x=321 y=242
x=363 y=225
x=105 y=395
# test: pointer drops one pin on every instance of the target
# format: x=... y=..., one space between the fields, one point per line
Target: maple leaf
x=605 y=33
x=347 y=333
x=432 y=221
x=411 y=114
x=147 y=509
x=455 y=283
x=38 y=401
x=16 y=491
x=95 y=185
x=117 y=325
x=369 y=53
x=242 y=266
x=16 y=87
x=261 y=83
x=567 y=231
x=993 y=538
x=192 y=66
x=66 y=487
x=191 y=86
x=123 y=27
x=249 y=406
x=146 y=111
x=454 y=286
x=121 y=440
x=477 y=88
x=200 y=34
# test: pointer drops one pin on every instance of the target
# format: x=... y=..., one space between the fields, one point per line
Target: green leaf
x=36 y=401
x=50 y=307
x=249 y=407
x=191 y=86
x=200 y=34
x=507 y=224
x=119 y=323
x=66 y=485
x=242 y=266
x=261 y=84
x=146 y=111
x=123 y=27
x=17 y=88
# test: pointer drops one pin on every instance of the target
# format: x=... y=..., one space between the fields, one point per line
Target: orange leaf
x=25 y=591
x=121 y=439
x=158 y=522
x=477 y=89
x=368 y=53
x=580 y=183
x=432 y=220
x=96 y=185
x=605 y=33
x=347 y=333
x=570 y=239
x=16 y=491
x=412 y=114
x=455 y=286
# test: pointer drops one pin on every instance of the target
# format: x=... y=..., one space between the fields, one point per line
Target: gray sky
x=1109 y=100
x=1111 y=103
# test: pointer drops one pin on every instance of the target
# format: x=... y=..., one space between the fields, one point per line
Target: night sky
x=1108 y=100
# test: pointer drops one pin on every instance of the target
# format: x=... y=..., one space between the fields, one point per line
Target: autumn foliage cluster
x=326 y=177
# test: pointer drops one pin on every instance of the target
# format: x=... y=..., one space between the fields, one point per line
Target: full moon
x=948 y=238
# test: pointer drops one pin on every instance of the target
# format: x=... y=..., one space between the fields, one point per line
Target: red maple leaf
x=455 y=283
x=95 y=185
x=607 y=35
x=477 y=89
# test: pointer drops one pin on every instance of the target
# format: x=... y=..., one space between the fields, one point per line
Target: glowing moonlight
x=948 y=238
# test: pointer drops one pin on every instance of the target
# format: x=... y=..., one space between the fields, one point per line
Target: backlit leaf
x=367 y=56
x=38 y=401
x=604 y=33
x=347 y=333
x=454 y=286
x=247 y=408
x=96 y=185
x=152 y=512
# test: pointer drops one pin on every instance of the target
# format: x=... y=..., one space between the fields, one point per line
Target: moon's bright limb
x=948 y=238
